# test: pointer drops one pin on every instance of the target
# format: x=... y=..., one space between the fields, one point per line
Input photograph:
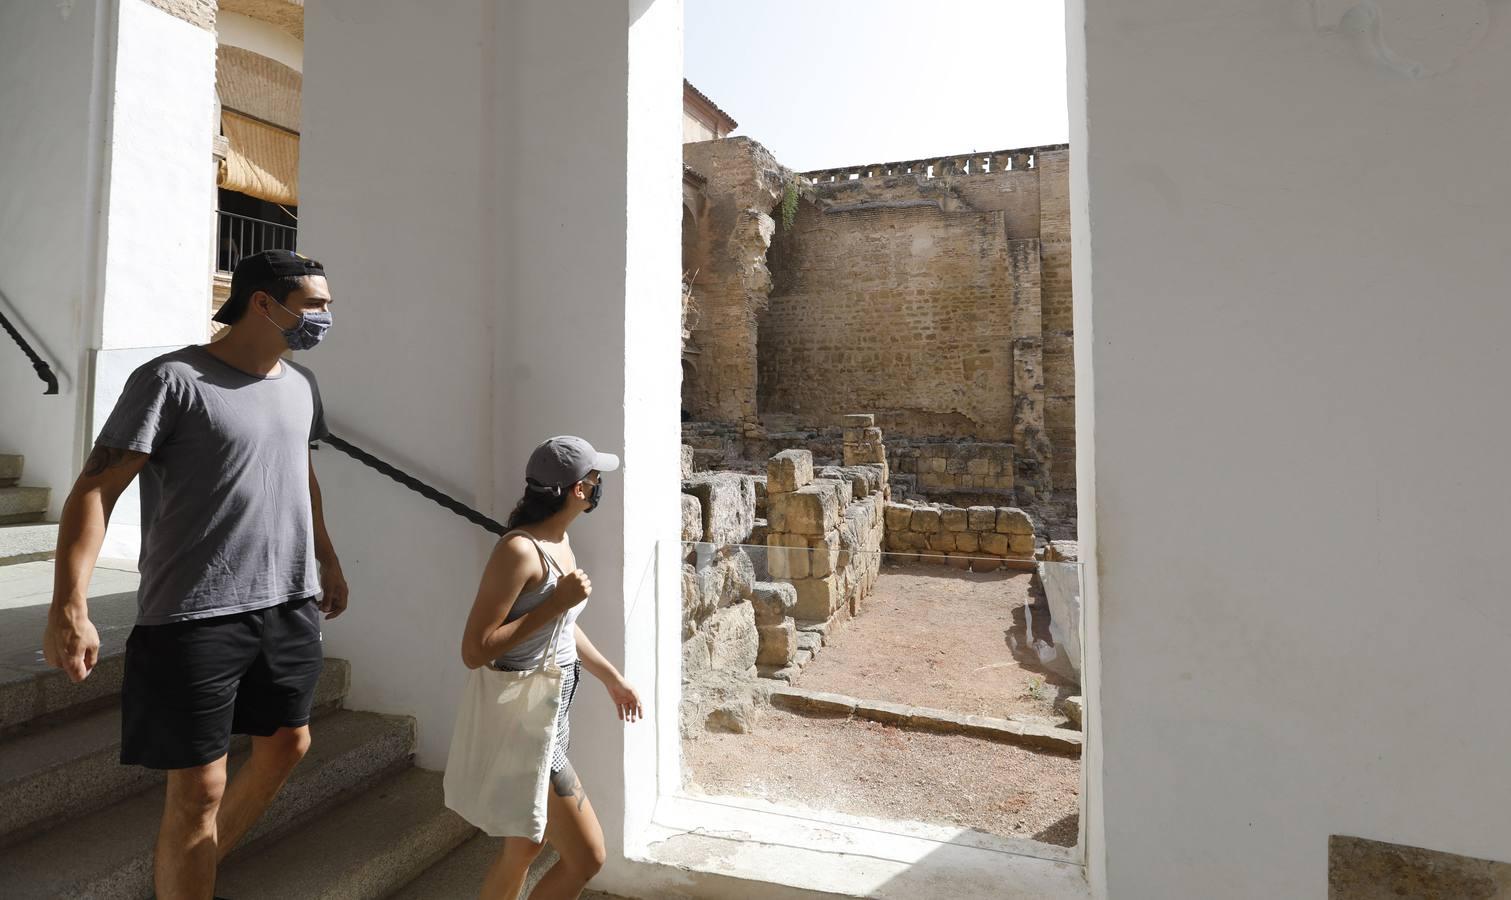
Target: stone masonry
x=725 y=258
x=936 y=292
x=980 y=538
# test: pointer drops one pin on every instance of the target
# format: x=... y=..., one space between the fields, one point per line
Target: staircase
x=356 y=819
x=23 y=534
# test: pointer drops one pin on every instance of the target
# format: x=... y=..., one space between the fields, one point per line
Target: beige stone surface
x=789 y=470
x=1362 y=869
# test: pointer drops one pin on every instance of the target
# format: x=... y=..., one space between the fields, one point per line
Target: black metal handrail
x=414 y=484
x=44 y=371
x=239 y=236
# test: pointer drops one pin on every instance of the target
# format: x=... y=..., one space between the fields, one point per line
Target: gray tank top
x=526 y=654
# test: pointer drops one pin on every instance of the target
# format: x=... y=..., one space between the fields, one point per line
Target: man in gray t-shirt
x=236 y=564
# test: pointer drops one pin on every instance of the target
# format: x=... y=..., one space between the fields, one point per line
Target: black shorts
x=189 y=686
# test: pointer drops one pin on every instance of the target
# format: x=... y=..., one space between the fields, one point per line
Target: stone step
x=23 y=504
x=11 y=465
x=51 y=774
x=365 y=848
x=107 y=855
x=27 y=543
x=31 y=691
x=458 y=876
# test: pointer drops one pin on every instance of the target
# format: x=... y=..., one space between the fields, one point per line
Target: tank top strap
x=552 y=567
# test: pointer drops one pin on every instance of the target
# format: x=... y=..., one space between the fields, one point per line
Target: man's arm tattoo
x=103 y=458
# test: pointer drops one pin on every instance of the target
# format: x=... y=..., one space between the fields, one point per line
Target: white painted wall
x=105 y=232
x=1293 y=476
x=237 y=30
x=159 y=211
x=518 y=281
x=48 y=68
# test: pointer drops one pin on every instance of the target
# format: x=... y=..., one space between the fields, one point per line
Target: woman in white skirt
x=531 y=580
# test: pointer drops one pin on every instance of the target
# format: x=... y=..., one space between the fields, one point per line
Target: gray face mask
x=307 y=332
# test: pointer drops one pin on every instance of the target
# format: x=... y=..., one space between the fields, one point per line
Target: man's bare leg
x=258 y=782
x=184 y=863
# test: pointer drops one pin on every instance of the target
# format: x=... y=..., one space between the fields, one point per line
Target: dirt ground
x=944 y=639
x=867 y=769
x=926 y=637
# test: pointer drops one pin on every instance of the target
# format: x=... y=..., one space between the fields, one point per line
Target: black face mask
x=594 y=497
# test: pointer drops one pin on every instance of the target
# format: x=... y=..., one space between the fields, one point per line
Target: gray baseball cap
x=564 y=461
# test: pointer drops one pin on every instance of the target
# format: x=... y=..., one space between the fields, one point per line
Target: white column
x=494 y=188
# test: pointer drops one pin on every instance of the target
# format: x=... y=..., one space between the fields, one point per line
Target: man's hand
x=333 y=590
x=71 y=643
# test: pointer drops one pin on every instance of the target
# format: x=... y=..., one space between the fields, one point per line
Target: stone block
x=1075 y=711
x=823 y=556
x=734 y=640
x=687 y=462
x=859 y=420
x=789 y=471
x=692 y=518
x=1021 y=544
x=817 y=598
x=926 y=520
x=958 y=561
x=968 y=542
x=985 y=562
x=872 y=436
x=941 y=541
x=978 y=466
x=728 y=500
x=844 y=491
x=995 y=544
x=813 y=702
x=899 y=516
x=724 y=579
x=785 y=562
x=954 y=518
x=778 y=643
x=884 y=712
x=1011 y=520
x=982 y=518
x=696 y=656
x=932 y=557
x=773 y=602
x=811 y=510
x=1062 y=551
x=1364 y=869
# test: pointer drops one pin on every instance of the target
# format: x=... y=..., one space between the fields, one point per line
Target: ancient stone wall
x=980 y=538
x=902 y=309
x=726 y=257
x=936 y=292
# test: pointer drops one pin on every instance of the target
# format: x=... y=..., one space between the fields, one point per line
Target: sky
x=828 y=83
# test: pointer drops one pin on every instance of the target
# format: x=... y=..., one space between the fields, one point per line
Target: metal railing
x=44 y=371
x=238 y=236
x=445 y=501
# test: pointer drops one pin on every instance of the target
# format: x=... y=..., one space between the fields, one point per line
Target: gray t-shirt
x=227 y=524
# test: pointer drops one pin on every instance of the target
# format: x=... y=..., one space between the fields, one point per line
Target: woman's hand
x=626 y=701
x=573 y=588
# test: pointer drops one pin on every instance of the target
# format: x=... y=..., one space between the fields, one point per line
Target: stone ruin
x=773 y=563
x=936 y=292
x=759 y=611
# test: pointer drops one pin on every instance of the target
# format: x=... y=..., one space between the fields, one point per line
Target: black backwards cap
x=257 y=270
